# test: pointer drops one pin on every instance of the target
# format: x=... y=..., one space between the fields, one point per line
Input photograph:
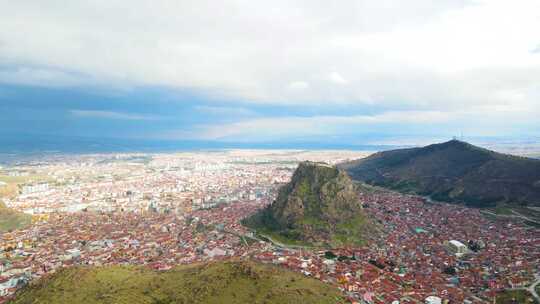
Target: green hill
x=453 y=171
x=318 y=207
x=11 y=219
x=213 y=283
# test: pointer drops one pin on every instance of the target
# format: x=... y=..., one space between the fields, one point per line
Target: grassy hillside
x=10 y=189
x=11 y=219
x=515 y=297
x=454 y=171
x=214 y=283
x=319 y=207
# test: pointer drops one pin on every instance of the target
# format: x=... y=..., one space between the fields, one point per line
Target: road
x=514 y=215
x=285 y=246
x=532 y=287
x=274 y=242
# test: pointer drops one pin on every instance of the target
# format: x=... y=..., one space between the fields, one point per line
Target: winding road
x=532 y=288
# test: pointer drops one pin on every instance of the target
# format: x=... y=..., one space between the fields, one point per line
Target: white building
x=17 y=173
x=216 y=252
x=329 y=266
x=457 y=247
x=433 y=300
x=8 y=283
x=34 y=188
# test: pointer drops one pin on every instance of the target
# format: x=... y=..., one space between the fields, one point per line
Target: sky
x=284 y=71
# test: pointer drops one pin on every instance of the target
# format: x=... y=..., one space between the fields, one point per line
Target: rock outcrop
x=319 y=206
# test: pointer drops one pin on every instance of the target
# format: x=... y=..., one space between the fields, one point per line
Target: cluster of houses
x=184 y=209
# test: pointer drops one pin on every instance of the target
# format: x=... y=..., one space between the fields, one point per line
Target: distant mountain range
x=232 y=282
x=319 y=206
x=453 y=171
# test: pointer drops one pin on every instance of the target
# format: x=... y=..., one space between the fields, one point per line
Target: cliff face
x=315 y=192
x=318 y=206
x=453 y=171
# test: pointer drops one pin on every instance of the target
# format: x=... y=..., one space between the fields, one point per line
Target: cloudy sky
x=270 y=71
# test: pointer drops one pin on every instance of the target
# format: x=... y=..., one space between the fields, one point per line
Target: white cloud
x=41 y=77
x=434 y=124
x=111 y=115
x=335 y=77
x=225 y=111
x=428 y=55
x=298 y=85
x=294 y=126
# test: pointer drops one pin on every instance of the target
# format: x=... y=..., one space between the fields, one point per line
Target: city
x=161 y=210
x=270 y=152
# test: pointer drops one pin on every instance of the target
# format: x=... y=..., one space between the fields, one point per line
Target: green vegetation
x=220 y=282
x=515 y=297
x=281 y=237
x=10 y=219
x=350 y=231
x=502 y=210
x=140 y=159
x=318 y=208
x=454 y=171
x=24 y=179
x=8 y=190
x=529 y=215
x=274 y=162
x=12 y=182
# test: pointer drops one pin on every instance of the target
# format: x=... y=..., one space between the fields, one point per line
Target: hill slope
x=220 y=282
x=318 y=207
x=453 y=171
x=11 y=219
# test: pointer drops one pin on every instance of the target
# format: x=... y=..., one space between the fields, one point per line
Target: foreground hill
x=213 y=283
x=319 y=206
x=11 y=219
x=454 y=171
